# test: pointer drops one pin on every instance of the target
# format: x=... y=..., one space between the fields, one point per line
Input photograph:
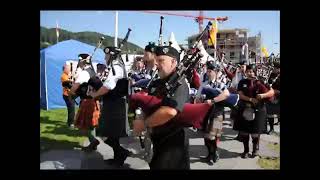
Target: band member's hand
x=209 y=102
x=254 y=101
x=259 y=97
x=138 y=126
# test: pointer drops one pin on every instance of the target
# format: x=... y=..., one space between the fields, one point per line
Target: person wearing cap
x=89 y=110
x=214 y=127
x=170 y=148
x=114 y=121
x=150 y=60
x=150 y=68
x=252 y=110
x=67 y=84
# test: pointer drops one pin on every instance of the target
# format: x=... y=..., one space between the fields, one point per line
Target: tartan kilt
x=88 y=114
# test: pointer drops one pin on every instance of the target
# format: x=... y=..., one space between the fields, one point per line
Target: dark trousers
x=71 y=109
x=171 y=153
x=118 y=150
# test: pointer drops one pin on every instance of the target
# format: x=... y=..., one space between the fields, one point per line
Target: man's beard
x=161 y=75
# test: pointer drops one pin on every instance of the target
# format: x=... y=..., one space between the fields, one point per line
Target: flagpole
x=57 y=32
x=247 y=52
x=116 y=30
x=260 y=47
x=215 y=41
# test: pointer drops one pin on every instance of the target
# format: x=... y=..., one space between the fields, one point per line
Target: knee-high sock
x=271 y=123
x=91 y=134
x=245 y=141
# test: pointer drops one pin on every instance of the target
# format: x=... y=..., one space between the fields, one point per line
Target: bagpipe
x=116 y=54
x=266 y=74
x=211 y=93
x=136 y=76
x=160 y=32
x=94 y=81
x=192 y=114
x=141 y=85
x=122 y=85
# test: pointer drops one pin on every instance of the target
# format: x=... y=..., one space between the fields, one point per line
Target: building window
x=218 y=35
x=231 y=54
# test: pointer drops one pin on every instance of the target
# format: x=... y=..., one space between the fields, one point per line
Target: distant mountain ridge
x=48 y=37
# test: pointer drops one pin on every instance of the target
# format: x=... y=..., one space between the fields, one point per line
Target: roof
x=70 y=49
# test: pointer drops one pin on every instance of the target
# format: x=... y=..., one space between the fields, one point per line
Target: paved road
x=229 y=153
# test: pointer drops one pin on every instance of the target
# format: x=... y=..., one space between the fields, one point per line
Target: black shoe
x=109 y=161
x=270 y=131
x=128 y=153
x=209 y=160
x=254 y=154
x=216 y=157
x=237 y=138
x=92 y=146
x=121 y=157
x=244 y=155
x=71 y=126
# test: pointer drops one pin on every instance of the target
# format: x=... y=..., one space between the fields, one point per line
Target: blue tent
x=52 y=60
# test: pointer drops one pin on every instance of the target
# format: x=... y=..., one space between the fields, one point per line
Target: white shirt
x=236 y=79
x=111 y=80
x=82 y=77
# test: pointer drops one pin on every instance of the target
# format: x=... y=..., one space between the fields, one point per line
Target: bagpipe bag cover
x=192 y=115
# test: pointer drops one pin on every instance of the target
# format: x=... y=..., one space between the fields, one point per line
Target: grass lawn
x=268 y=163
x=271 y=163
x=55 y=134
x=275 y=147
